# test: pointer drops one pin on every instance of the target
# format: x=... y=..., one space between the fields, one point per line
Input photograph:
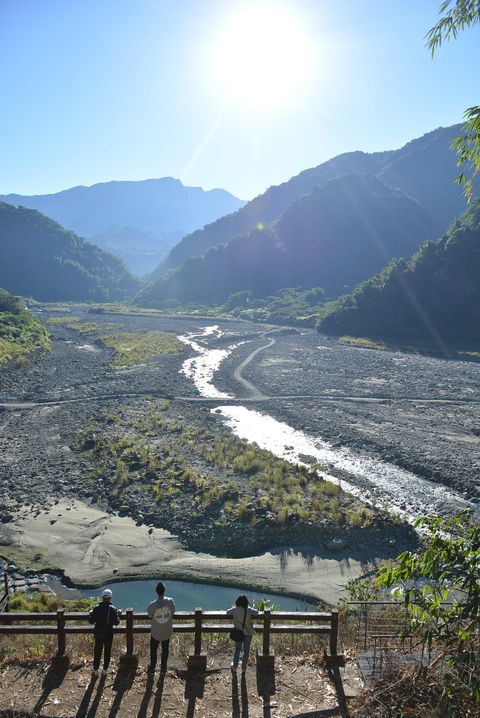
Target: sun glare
x=262 y=58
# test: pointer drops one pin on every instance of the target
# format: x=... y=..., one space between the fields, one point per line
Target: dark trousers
x=103 y=642
x=154 y=650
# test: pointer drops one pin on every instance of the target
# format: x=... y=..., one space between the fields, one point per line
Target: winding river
x=395 y=489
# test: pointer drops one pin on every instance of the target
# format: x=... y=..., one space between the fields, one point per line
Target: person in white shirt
x=242 y=614
x=161 y=613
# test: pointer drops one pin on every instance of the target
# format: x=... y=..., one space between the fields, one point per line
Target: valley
x=148 y=475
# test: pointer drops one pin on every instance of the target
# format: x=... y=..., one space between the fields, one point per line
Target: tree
x=455 y=18
x=440 y=587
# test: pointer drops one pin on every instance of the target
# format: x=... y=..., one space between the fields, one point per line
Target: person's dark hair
x=160 y=588
x=242 y=601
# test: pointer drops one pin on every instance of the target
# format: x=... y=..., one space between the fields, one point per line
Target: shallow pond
x=188 y=596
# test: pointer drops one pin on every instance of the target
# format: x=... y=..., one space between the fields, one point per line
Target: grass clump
x=138 y=347
x=363 y=343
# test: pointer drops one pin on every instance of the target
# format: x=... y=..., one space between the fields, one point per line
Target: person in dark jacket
x=104 y=616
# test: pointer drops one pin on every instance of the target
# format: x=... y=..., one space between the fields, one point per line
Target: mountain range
x=138 y=221
x=424 y=168
x=331 y=227
x=334 y=237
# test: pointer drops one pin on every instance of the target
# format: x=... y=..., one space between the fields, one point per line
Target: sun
x=262 y=57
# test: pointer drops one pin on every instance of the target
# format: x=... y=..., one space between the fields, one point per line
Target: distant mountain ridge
x=39 y=258
x=424 y=168
x=336 y=236
x=162 y=208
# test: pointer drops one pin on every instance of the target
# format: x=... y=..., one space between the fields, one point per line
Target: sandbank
x=93 y=547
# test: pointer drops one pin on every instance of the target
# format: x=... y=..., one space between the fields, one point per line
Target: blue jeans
x=246 y=650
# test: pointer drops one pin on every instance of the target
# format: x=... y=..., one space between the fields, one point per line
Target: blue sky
x=96 y=90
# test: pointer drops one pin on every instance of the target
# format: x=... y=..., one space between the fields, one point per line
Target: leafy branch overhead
x=455 y=18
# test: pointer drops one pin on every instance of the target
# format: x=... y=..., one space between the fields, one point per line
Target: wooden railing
x=198 y=622
x=4 y=593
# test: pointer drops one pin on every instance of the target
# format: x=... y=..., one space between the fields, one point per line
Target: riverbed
x=372 y=410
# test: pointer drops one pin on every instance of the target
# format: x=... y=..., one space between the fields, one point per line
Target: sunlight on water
x=394 y=488
x=200 y=369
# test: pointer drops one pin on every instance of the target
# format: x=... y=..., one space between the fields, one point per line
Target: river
x=399 y=491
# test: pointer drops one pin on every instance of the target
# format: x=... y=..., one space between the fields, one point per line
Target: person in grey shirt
x=161 y=613
x=242 y=614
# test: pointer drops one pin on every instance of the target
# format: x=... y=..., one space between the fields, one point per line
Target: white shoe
x=232 y=667
x=94 y=672
x=104 y=672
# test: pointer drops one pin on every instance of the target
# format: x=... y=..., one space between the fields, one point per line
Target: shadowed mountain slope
x=434 y=298
x=424 y=168
x=334 y=237
x=39 y=258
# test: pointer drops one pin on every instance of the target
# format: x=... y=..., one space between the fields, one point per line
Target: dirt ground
x=300 y=687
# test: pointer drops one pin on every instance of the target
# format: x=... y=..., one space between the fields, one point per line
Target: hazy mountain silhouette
x=424 y=168
x=39 y=258
x=334 y=237
x=162 y=208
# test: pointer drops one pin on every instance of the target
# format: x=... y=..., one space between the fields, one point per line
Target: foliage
x=40 y=258
x=336 y=236
x=138 y=347
x=20 y=332
x=456 y=16
x=434 y=299
x=39 y=602
x=208 y=484
x=447 y=569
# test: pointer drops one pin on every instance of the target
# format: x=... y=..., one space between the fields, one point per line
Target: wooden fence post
x=197 y=661
x=266 y=632
x=61 y=659
x=198 y=632
x=129 y=659
x=334 y=633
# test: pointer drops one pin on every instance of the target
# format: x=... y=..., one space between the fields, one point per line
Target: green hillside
x=424 y=168
x=433 y=300
x=20 y=331
x=39 y=258
x=337 y=236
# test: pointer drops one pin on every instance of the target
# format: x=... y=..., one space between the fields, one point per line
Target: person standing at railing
x=104 y=616
x=242 y=632
x=161 y=613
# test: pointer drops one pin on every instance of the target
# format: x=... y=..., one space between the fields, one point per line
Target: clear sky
x=238 y=94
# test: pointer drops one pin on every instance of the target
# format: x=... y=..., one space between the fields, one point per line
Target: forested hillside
x=433 y=299
x=424 y=168
x=137 y=221
x=39 y=258
x=334 y=237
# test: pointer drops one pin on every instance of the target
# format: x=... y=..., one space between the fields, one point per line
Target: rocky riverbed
x=413 y=411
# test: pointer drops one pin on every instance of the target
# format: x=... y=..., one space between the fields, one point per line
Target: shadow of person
x=96 y=701
x=244 y=690
x=122 y=683
x=142 y=711
x=157 y=704
x=52 y=679
x=235 y=699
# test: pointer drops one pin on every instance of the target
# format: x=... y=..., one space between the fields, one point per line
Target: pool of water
x=188 y=596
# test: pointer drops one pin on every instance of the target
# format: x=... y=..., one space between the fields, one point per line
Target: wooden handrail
x=197 y=622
